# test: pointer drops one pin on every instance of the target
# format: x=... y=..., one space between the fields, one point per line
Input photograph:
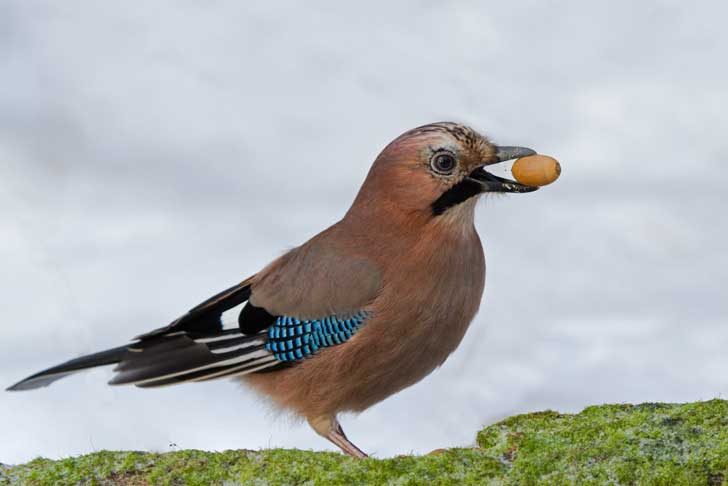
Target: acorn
x=536 y=170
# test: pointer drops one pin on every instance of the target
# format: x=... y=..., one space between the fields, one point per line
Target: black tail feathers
x=46 y=377
x=169 y=359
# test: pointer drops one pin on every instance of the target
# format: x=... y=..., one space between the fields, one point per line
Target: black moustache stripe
x=460 y=192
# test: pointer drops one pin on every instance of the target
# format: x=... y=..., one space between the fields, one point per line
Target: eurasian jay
x=365 y=308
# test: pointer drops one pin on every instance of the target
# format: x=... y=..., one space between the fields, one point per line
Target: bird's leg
x=339 y=438
x=329 y=428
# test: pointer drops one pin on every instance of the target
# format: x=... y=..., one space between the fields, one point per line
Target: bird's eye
x=443 y=163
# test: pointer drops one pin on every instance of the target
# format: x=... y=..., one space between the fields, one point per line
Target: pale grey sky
x=153 y=154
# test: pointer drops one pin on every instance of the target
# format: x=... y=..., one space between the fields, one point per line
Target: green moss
x=615 y=444
x=467 y=466
x=611 y=444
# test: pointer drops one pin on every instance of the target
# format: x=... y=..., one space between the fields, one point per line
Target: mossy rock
x=660 y=444
x=652 y=443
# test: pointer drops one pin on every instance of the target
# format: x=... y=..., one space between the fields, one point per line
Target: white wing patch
x=229 y=318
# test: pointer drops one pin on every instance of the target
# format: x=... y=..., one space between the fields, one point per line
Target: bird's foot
x=330 y=428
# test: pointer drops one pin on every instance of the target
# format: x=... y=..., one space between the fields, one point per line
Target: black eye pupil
x=444 y=163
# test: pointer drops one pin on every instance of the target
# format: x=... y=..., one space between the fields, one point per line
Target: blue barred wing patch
x=291 y=339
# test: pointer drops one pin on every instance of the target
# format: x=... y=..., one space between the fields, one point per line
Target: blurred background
x=152 y=154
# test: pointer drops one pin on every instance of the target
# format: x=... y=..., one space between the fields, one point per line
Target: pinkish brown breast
x=431 y=289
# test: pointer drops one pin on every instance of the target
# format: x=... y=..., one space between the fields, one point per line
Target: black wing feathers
x=254 y=319
x=184 y=359
x=205 y=318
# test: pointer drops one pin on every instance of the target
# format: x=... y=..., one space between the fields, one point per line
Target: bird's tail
x=169 y=359
x=46 y=377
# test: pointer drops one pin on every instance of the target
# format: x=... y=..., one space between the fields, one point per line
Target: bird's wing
x=313 y=297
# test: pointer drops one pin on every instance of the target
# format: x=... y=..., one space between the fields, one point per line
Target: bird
x=365 y=308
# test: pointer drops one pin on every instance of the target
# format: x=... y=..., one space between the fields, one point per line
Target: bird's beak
x=492 y=183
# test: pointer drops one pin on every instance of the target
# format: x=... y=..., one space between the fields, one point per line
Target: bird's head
x=436 y=169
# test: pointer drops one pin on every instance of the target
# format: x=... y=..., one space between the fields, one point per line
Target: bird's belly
x=402 y=346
